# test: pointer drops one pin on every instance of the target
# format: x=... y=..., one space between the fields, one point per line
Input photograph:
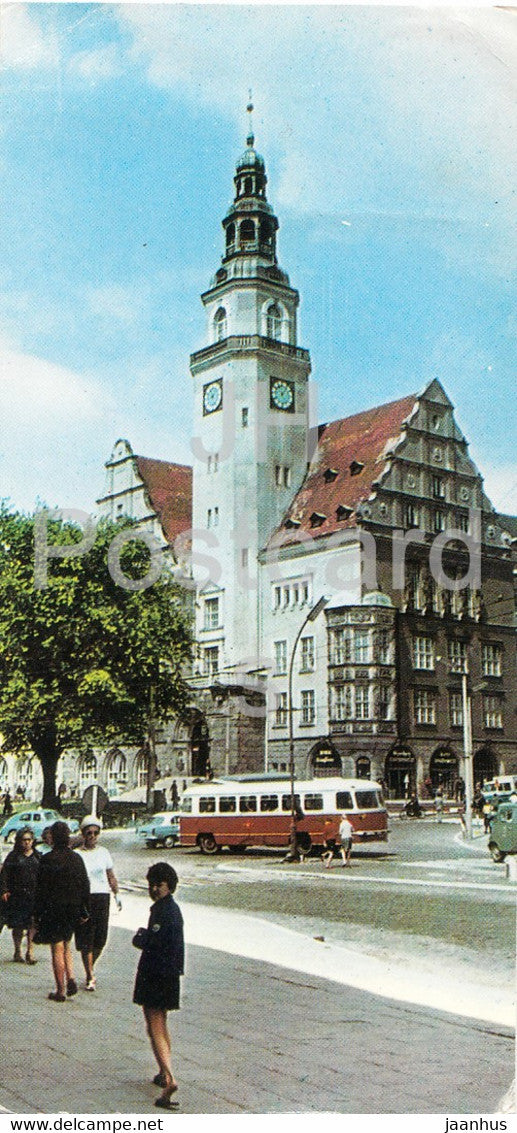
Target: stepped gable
x=348 y=461
x=169 y=489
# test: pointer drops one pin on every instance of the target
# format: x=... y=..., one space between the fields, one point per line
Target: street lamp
x=311 y=617
x=467 y=747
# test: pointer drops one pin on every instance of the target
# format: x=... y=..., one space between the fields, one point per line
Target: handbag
x=140 y=938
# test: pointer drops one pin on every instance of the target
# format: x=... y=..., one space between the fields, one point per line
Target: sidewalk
x=251 y=1037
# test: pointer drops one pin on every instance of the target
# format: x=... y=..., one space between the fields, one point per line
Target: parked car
x=162 y=829
x=502 y=839
x=37 y=819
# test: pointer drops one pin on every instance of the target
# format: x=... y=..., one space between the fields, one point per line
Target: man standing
x=346 y=831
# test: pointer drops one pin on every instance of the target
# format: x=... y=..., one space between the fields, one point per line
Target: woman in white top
x=91 y=937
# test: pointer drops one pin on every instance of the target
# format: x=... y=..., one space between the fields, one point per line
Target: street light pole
x=467 y=748
x=311 y=617
x=151 y=759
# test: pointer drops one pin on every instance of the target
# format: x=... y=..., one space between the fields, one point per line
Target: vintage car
x=162 y=829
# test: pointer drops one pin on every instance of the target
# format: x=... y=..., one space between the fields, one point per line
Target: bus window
x=207 y=804
x=247 y=803
x=269 y=802
x=227 y=804
x=344 y=801
x=366 y=800
x=186 y=804
x=313 y=802
x=286 y=803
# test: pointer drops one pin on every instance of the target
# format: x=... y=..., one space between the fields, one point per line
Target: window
x=492 y=660
x=220 y=324
x=245 y=418
x=281 y=709
x=438 y=488
x=274 y=321
x=277 y=597
x=361 y=646
x=227 y=804
x=287 y=593
x=462 y=521
x=287 y=476
x=269 y=802
x=362 y=702
x=308 y=707
x=456 y=709
x=211 y=661
x=207 y=805
x=457 y=651
x=317 y=518
x=209 y=517
x=344 y=801
x=280 y=658
x=245 y=555
x=340 y=642
x=423 y=653
x=313 y=802
x=342 y=702
x=367 y=800
x=247 y=804
x=215 y=465
x=438 y=520
x=412 y=516
x=286 y=803
x=305 y=592
x=211 y=613
x=216 y=517
x=493 y=712
x=384 y=703
x=278 y=475
x=356 y=468
x=307 y=654
x=425 y=707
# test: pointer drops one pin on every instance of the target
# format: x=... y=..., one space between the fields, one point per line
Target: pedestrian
x=18 y=890
x=157 y=984
x=346 y=831
x=174 y=795
x=329 y=848
x=46 y=840
x=438 y=804
x=62 y=903
x=91 y=937
x=8 y=805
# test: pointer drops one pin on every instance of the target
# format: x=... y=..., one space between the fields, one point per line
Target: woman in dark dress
x=62 y=903
x=157 y=985
x=17 y=889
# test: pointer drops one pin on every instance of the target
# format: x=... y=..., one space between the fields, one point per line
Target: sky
x=388 y=135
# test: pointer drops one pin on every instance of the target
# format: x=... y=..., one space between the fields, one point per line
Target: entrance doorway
x=324 y=761
x=443 y=771
x=200 y=749
x=363 y=767
x=485 y=765
x=400 y=773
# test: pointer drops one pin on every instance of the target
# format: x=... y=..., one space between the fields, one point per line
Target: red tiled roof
x=169 y=487
x=363 y=439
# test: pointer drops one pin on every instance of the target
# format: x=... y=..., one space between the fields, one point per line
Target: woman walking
x=62 y=903
x=91 y=936
x=18 y=889
x=157 y=985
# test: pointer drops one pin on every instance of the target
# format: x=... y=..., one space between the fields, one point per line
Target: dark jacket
x=162 y=944
x=62 y=880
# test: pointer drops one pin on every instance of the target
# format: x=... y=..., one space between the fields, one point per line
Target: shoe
x=57 y=997
x=71 y=988
x=91 y=984
x=18 y=959
x=166 y=1102
x=159 y=1080
x=30 y=960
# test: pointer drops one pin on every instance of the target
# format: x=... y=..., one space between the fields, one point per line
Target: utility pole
x=467 y=748
x=151 y=753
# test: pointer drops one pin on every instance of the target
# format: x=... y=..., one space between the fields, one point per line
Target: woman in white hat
x=91 y=937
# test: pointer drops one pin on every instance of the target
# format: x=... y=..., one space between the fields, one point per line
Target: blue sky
x=388 y=135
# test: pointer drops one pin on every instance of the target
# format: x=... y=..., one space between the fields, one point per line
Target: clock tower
x=251 y=422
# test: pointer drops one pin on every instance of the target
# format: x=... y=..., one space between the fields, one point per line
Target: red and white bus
x=247 y=810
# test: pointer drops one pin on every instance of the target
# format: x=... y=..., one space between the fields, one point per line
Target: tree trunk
x=45 y=747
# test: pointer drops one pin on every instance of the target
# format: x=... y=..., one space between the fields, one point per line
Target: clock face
x=212 y=397
x=282 y=394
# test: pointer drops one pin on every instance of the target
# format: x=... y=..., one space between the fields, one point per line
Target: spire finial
x=249 y=109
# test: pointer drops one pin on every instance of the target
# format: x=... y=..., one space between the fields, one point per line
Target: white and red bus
x=247 y=810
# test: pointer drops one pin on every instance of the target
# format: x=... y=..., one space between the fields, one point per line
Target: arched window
x=117 y=773
x=220 y=324
x=248 y=186
x=274 y=321
x=247 y=232
x=363 y=767
x=230 y=236
x=87 y=772
x=141 y=765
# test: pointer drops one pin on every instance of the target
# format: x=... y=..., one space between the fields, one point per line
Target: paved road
x=251 y=1038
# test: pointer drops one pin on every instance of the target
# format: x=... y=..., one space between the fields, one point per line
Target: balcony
x=247 y=342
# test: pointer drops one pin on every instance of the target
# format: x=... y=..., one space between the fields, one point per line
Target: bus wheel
x=497 y=854
x=207 y=844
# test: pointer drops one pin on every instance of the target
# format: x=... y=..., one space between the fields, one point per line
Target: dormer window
x=317 y=519
x=356 y=467
x=343 y=512
x=329 y=475
x=220 y=324
x=292 y=523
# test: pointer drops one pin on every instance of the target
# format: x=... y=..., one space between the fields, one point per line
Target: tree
x=80 y=656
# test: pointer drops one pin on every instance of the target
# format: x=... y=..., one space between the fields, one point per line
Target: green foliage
x=79 y=658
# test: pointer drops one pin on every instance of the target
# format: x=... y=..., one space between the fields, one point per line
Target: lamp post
x=311 y=617
x=467 y=748
x=151 y=752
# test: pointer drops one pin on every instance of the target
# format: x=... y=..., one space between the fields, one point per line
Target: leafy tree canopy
x=80 y=656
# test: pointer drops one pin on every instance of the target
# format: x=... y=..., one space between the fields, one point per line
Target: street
x=347 y=991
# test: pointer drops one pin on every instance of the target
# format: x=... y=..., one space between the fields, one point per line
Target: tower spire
x=250 y=140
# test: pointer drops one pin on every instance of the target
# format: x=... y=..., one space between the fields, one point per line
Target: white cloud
x=23 y=44
x=98 y=65
x=125 y=304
